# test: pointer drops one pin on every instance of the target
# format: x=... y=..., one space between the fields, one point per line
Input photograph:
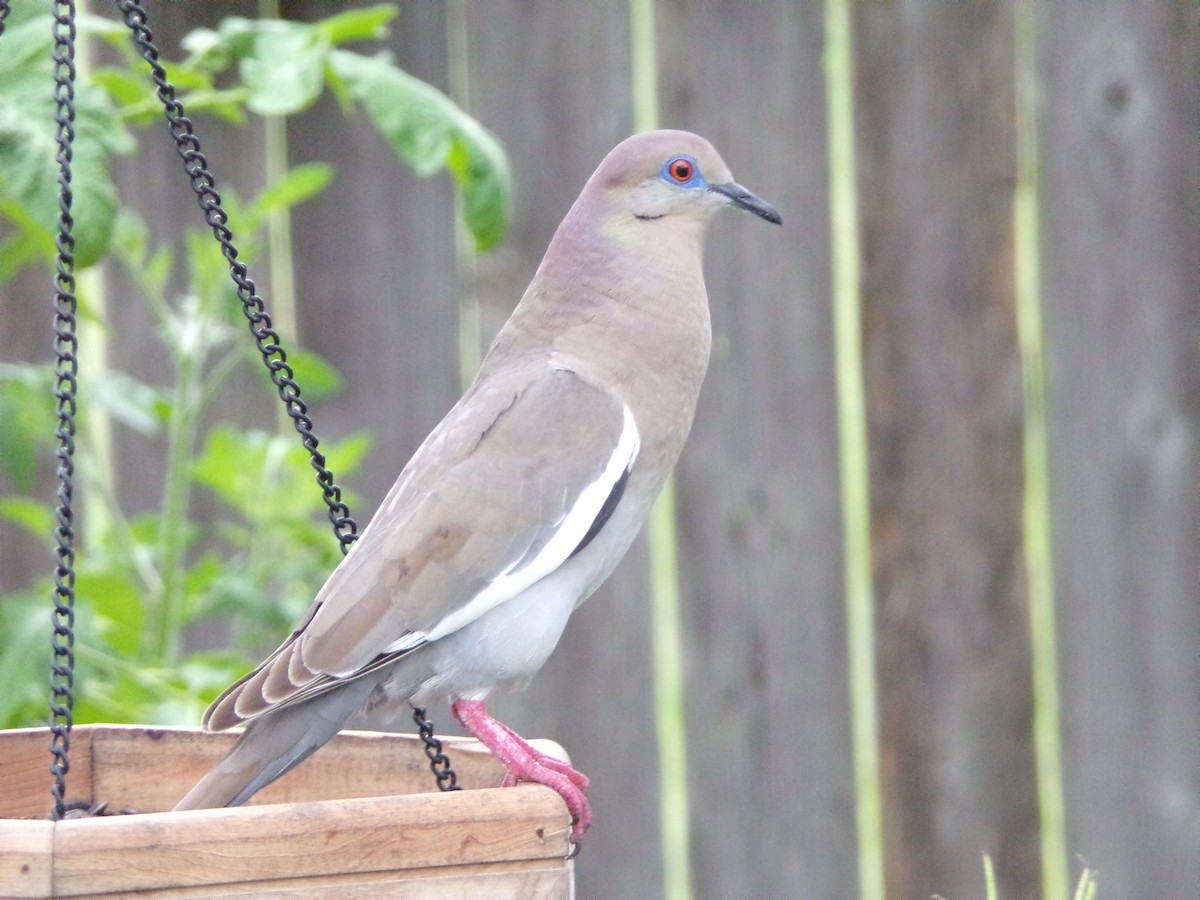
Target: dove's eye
x=681 y=169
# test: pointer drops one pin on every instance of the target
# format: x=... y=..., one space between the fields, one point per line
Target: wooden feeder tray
x=361 y=818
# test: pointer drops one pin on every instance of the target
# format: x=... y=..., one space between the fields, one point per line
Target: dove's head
x=670 y=176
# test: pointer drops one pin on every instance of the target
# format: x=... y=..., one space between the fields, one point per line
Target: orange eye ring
x=681 y=170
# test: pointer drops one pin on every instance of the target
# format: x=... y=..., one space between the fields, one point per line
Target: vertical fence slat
x=375 y=269
x=1120 y=232
x=552 y=81
x=770 y=783
x=937 y=166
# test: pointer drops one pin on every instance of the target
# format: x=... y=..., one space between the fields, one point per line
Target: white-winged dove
x=524 y=498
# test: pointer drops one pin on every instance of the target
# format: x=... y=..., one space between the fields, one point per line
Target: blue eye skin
x=683 y=171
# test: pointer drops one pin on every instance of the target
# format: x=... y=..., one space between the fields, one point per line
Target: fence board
x=552 y=81
x=760 y=558
x=937 y=166
x=1120 y=224
x=375 y=268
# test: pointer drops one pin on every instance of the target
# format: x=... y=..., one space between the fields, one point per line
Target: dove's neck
x=627 y=309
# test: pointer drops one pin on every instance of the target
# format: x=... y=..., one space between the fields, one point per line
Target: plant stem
x=93 y=364
x=93 y=361
x=661 y=531
x=852 y=447
x=281 y=262
x=470 y=323
x=1047 y=735
x=181 y=428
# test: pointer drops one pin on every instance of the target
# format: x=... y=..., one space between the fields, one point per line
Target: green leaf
x=358 y=24
x=428 y=130
x=316 y=376
x=269 y=477
x=26 y=56
x=297 y=185
x=110 y=603
x=27 y=411
x=345 y=456
x=28 y=169
x=127 y=400
x=286 y=71
x=32 y=515
x=22 y=249
x=233 y=463
x=215 y=50
x=481 y=170
x=24 y=658
x=112 y=30
x=280 y=63
x=122 y=86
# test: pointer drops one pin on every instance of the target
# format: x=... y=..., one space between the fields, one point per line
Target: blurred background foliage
x=146 y=579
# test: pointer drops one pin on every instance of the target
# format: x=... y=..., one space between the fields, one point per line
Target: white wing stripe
x=570 y=532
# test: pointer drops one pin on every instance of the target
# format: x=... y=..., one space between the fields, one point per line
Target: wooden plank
x=1120 y=90
x=25 y=778
x=310 y=829
x=214 y=847
x=25 y=858
x=149 y=769
x=353 y=764
x=768 y=731
x=524 y=880
x=937 y=164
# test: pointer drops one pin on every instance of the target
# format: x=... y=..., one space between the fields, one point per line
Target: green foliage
x=266 y=67
x=28 y=168
x=146 y=579
x=28 y=419
x=284 y=67
x=429 y=131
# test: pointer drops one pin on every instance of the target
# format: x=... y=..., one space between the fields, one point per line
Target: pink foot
x=525 y=762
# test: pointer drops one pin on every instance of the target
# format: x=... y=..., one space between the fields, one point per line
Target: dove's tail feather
x=274 y=743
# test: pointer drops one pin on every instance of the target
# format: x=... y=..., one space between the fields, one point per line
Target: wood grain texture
x=536 y=880
x=109 y=763
x=375 y=268
x=26 y=868
x=360 y=811
x=935 y=119
x=760 y=556
x=1120 y=231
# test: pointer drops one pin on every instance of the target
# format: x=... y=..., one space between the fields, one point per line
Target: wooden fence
x=1117 y=88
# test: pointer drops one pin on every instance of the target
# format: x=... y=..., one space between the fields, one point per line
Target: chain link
x=196 y=166
x=439 y=762
x=3 y=14
x=66 y=368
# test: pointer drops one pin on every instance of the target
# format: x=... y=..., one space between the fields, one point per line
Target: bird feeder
x=358 y=819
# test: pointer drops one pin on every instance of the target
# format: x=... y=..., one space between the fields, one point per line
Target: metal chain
x=196 y=166
x=3 y=14
x=439 y=762
x=66 y=368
